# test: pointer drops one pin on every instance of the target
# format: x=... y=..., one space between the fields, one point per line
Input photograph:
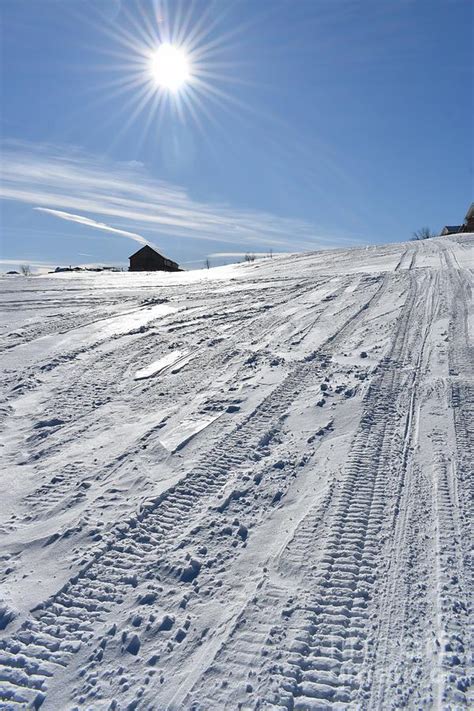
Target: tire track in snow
x=244 y=643
x=326 y=670
x=421 y=657
x=456 y=502
x=57 y=628
x=323 y=670
x=244 y=667
x=397 y=642
x=81 y=413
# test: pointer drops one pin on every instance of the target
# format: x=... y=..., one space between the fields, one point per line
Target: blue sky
x=307 y=124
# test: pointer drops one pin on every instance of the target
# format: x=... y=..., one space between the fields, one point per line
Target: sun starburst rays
x=200 y=66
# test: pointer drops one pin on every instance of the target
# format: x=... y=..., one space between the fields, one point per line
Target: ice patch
x=119 y=325
x=176 y=438
x=159 y=365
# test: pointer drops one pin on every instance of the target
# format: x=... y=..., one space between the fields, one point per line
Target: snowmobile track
x=51 y=634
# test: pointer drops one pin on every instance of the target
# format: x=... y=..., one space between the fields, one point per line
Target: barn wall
x=149 y=263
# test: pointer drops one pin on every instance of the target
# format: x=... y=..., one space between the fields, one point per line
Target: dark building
x=467 y=226
x=149 y=260
x=450 y=230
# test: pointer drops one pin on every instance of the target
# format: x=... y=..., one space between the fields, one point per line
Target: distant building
x=148 y=259
x=468 y=225
x=450 y=230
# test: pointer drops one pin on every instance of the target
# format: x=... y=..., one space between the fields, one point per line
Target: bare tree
x=423 y=233
x=249 y=258
x=25 y=269
x=207 y=263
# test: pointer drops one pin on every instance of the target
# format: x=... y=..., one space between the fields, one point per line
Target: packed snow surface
x=242 y=488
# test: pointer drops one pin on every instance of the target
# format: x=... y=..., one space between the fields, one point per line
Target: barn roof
x=145 y=248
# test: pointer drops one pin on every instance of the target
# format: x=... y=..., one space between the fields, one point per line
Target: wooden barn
x=148 y=259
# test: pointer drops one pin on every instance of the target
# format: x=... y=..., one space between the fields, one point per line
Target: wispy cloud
x=25 y=260
x=68 y=183
x=92 y=223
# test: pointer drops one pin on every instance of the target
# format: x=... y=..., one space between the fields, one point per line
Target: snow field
x=246 y=488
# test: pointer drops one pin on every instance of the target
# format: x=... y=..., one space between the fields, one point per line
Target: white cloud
x=25 y=260
x=69 y=182
x=92 y=223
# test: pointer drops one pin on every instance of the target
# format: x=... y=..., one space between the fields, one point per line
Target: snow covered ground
x=243 y=488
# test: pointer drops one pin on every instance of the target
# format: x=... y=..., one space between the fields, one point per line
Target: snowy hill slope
x=243 y=488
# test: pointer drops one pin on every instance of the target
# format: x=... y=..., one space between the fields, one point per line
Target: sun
x=170 y=67
x=173 y=60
